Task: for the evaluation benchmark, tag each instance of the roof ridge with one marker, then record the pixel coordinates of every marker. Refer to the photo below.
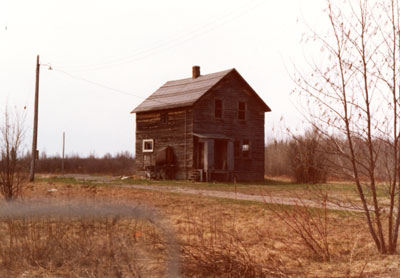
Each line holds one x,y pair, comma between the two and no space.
196,80
190,82
192,91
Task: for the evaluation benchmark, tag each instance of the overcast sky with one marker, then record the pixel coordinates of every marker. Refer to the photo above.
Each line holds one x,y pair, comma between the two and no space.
108,56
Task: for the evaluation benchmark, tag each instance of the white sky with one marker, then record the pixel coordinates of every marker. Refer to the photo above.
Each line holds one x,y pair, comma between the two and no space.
131,48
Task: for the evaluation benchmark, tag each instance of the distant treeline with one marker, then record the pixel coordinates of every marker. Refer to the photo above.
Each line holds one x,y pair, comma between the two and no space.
119,164
309,158
299,158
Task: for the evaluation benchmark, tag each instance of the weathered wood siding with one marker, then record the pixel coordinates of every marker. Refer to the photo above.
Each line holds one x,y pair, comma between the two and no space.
176,132
231,90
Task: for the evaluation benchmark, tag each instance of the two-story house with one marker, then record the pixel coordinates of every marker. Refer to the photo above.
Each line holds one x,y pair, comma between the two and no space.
209,125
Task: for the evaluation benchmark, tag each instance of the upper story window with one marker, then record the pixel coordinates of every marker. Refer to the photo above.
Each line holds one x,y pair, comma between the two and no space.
148,145
242,110
164,117
218,109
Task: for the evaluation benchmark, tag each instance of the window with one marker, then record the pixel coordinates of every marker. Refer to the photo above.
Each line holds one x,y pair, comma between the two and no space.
242,110
148,145
245,148
164,117
218,108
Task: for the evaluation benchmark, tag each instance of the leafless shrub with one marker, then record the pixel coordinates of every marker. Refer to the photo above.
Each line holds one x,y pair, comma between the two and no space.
307,159
211,249
300,157
310,225
12,170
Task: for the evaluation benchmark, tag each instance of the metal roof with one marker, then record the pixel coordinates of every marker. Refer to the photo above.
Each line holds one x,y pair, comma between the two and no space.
181,93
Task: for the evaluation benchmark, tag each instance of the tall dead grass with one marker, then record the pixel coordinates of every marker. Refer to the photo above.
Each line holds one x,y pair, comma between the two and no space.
81,246
217,238
213,247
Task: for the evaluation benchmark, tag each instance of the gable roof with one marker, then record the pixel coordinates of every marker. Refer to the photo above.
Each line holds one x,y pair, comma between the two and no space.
185,92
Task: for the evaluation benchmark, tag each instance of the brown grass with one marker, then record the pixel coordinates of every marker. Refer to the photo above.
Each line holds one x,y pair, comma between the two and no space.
218,238
80,247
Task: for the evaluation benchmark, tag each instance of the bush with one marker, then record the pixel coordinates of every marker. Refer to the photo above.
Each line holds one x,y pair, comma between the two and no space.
12,170
301,158
307,159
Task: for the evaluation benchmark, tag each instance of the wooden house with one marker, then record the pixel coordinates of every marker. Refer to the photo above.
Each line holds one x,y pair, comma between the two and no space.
209,127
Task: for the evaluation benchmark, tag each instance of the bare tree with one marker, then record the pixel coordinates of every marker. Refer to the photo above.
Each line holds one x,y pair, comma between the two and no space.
12,172
352,96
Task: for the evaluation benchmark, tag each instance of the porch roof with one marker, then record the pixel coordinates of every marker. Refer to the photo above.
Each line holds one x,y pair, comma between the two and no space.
212,136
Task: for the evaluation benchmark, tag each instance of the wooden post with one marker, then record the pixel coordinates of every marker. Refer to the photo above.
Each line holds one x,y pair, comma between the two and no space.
186,175
63,151
35,123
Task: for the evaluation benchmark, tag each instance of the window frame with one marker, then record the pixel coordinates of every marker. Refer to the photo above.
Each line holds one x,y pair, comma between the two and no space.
164,117
220,110
245,152
242,111
144,145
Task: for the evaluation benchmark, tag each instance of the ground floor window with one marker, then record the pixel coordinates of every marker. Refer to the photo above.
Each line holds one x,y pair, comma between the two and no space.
148,145
245,148
241,149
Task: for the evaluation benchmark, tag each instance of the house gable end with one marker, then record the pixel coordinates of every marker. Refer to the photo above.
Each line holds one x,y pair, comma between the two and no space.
235,74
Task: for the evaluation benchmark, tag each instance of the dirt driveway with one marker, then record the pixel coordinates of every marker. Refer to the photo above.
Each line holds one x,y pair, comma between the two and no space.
247,197
291,201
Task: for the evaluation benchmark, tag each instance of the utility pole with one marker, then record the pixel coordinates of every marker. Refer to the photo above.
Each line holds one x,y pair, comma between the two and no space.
62,161
35,123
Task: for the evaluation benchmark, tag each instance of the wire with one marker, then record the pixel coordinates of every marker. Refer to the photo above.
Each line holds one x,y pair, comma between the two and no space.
96,83
173,38
118,90
104,86
170,43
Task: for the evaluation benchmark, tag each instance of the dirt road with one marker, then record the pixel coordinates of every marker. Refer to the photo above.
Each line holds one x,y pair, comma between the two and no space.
247,197
291,201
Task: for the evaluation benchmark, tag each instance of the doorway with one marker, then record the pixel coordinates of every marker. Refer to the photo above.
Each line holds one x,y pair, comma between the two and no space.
220,154
200,156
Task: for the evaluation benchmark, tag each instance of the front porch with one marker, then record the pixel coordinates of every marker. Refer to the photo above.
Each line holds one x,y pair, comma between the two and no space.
213,157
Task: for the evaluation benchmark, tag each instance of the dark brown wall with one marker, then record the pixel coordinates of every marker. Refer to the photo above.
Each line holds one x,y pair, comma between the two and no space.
232,90
173,133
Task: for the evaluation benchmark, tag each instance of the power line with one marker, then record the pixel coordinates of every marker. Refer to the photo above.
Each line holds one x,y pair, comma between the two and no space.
104,86
116,90
96,83
170,43
147,52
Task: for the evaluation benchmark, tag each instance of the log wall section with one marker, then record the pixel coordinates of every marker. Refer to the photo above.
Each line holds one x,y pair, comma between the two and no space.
176,132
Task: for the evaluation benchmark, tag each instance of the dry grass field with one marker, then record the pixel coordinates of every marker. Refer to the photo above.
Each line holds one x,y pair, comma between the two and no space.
217,237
